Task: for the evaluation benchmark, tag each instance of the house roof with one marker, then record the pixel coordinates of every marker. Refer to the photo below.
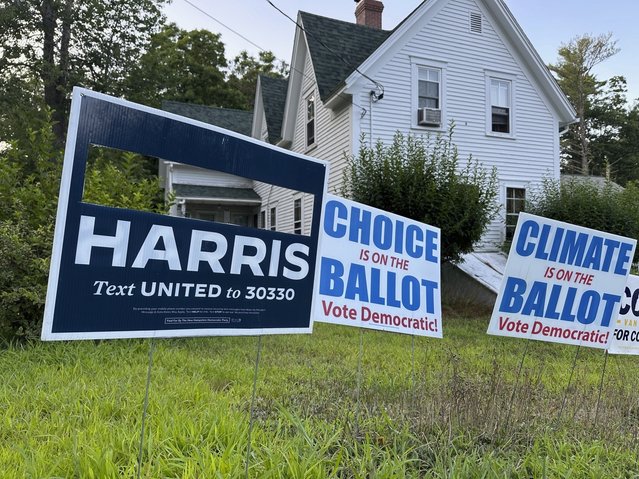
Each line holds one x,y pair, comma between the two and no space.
274,99
599,182
337,48
215,192
239,121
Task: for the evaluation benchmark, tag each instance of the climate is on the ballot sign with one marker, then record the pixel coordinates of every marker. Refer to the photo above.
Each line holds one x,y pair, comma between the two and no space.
563,283
118,273
378,270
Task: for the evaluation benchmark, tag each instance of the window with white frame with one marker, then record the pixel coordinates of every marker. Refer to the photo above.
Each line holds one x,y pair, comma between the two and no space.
273,225
297,216
429,96
310,120
515,203
500,106
263,219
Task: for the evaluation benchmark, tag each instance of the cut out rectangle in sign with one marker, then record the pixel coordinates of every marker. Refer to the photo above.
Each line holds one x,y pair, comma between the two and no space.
378,270
563,283
119,273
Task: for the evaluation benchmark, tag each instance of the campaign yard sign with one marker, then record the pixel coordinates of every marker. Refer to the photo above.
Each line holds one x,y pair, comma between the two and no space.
625,339
118,273
563,283
378,270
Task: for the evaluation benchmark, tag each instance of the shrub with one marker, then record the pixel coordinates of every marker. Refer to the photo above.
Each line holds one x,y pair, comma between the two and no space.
423,180
29,184
581,202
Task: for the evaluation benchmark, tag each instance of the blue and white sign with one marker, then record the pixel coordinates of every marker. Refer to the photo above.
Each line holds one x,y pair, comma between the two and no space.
378,270
563,283
625,337
117,273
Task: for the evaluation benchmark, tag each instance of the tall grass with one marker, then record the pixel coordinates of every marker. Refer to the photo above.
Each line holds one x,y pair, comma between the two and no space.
73,410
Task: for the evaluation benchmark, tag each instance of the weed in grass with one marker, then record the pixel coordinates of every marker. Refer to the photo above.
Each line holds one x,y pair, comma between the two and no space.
73,409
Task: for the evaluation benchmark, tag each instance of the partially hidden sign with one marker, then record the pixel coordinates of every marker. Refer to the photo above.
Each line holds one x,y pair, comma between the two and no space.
118,273
563,283
378,270
625,338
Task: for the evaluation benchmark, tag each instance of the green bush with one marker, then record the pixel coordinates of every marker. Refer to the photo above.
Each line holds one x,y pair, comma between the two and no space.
424,180
29,184
582,202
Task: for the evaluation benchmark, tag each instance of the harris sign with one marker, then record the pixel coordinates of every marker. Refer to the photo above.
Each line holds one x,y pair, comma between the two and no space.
118,273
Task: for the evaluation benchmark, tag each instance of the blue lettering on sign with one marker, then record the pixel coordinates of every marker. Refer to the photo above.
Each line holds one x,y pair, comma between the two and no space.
382,231
372,285
335,210
414,238
331,283
356,286
569,247
360,226
583,306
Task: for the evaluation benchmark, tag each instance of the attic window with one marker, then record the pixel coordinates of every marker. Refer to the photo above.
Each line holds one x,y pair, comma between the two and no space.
475,22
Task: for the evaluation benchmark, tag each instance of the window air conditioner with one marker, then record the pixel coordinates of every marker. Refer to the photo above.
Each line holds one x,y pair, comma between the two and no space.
429,116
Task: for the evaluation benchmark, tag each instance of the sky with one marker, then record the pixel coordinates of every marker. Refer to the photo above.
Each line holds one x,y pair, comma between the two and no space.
547,23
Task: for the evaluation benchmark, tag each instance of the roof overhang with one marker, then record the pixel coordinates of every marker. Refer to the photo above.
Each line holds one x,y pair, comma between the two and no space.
219,201
295,82
258,111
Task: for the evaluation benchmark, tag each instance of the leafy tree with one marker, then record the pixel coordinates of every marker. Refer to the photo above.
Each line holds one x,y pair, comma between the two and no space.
574,72
56,44
626,165
186,66
424,180
585,203
245,69
608,116
29,183
122,182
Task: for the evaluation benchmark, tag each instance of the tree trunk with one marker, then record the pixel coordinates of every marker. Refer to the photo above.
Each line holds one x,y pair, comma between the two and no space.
55,75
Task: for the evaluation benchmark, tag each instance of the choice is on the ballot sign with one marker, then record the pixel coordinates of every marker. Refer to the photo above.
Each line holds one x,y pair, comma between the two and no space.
625,337
563,283
118,273
378,270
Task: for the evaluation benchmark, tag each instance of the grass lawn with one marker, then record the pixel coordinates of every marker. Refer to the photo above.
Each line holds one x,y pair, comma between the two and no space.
73,410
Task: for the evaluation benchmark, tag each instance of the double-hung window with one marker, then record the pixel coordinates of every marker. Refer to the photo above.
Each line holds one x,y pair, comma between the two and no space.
500,105
515,203
428,93
429,88
429,96
273,222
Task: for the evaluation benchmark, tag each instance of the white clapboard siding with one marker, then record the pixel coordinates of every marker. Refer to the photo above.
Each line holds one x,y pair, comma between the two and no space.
192,175
521,161
332,142
468,59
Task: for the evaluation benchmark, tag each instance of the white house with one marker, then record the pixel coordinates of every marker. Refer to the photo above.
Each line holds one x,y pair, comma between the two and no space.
211,195
466,61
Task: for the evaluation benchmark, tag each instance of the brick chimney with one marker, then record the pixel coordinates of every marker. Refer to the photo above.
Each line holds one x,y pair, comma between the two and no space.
369,13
